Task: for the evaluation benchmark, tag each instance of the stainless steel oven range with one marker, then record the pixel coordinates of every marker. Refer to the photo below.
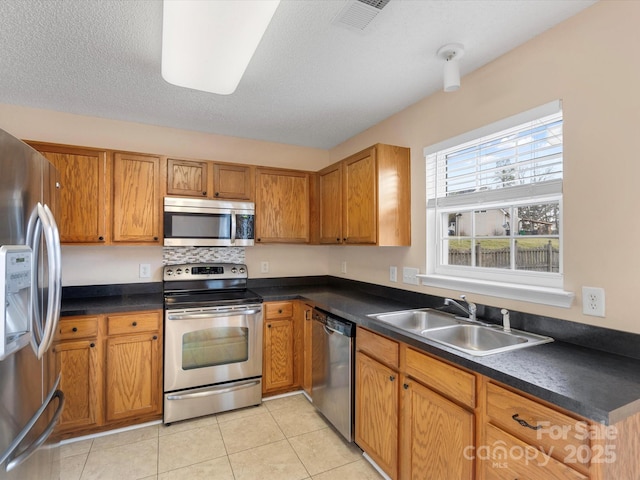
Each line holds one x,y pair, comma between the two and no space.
213,340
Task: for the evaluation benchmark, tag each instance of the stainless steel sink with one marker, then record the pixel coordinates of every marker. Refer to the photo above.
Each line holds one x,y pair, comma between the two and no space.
479,340
418,320
459,333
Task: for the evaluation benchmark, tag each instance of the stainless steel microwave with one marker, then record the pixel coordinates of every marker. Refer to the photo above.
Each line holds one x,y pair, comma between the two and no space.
195,222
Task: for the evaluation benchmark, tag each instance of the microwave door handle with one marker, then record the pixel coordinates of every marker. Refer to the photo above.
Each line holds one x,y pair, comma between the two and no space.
233,227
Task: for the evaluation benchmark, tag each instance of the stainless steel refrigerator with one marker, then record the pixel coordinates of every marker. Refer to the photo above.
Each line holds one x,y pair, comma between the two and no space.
30,292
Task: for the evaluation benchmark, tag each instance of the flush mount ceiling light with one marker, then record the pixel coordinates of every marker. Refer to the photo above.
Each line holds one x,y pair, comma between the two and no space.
207,44
451,54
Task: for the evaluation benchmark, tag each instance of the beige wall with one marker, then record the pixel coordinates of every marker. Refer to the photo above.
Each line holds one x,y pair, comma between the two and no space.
588,61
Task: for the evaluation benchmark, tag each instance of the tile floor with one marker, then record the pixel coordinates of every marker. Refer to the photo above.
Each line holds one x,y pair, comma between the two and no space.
282,439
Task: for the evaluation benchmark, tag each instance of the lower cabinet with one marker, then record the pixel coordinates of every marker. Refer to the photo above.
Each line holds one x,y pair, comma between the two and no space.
111,370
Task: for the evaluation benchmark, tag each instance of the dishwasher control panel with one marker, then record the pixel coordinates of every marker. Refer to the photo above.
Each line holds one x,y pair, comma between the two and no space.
336,324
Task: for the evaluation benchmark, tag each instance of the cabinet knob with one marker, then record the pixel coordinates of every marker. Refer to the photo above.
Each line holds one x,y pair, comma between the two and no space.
92,345
392,377
155,239
259,239
155,337
405,386
269,326
217,194
337,240
101,238
204,194
344,239
280,310
74,329
135,324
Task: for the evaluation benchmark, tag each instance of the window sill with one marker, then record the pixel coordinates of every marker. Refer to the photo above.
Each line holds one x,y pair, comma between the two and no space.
547,296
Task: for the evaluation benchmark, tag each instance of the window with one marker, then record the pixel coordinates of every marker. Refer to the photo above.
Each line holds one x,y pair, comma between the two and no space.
494,205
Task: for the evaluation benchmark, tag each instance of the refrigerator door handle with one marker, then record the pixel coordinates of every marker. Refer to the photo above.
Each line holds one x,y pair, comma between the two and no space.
14,462
44,222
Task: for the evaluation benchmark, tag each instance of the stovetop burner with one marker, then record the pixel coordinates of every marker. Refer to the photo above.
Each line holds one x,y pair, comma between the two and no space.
207,284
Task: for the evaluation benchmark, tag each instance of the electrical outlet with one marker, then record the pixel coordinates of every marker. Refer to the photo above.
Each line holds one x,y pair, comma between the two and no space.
144,270
410,276
593,301
343,267
264,267
393,274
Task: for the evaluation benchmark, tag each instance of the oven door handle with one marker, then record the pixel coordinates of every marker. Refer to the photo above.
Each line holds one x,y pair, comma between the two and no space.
216,314
215,390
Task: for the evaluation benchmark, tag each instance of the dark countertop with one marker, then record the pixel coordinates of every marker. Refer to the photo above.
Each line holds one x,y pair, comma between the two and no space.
588,380
597,385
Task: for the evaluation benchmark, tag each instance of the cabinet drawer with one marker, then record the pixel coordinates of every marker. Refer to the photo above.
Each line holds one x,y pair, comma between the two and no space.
548,429
133,323
377,346
446,379
278,310
507,458
77,327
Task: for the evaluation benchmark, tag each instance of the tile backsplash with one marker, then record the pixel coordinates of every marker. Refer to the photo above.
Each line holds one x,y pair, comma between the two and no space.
180,255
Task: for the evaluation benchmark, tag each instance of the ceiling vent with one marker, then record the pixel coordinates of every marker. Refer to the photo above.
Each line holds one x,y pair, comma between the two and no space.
358,14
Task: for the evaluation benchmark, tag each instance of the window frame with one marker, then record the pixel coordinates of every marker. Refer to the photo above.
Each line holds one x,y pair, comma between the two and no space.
537,287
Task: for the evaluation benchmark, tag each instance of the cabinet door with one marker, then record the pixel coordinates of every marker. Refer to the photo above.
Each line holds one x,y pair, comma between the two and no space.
376,415
438,435
81,380
187,177
278,354
133,376
232,181
80,211
282,206
136,202
330,187
360,196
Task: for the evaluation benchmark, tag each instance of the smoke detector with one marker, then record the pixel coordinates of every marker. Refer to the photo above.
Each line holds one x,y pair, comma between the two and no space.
358,14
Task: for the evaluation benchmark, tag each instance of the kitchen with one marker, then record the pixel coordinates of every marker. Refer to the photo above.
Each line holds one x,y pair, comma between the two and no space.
574,61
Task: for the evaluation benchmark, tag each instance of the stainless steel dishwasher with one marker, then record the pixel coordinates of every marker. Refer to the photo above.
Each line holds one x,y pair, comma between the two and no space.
332,371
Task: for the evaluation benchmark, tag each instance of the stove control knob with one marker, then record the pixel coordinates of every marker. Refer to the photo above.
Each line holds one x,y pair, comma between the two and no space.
242,270
178,271
169,272
234,270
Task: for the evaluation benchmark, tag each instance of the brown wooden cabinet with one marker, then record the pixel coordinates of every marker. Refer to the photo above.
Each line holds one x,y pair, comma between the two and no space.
278,347
111,370
136,199
307,327
84,178
282,206
370,193
207,179
78,355
133,363
377,399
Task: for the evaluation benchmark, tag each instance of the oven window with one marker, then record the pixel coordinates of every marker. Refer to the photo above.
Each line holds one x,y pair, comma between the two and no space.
215,346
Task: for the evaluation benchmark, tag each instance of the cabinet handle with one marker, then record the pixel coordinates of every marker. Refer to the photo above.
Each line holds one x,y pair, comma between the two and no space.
155,337
204,194
344,239
135,324
405,386
92,345
259,239
217,194
338,240
280,311
392,377
74,329
101,238
155,239
269,326
524,423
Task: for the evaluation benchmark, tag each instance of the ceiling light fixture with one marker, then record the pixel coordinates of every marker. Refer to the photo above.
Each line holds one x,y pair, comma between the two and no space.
207,45
451,53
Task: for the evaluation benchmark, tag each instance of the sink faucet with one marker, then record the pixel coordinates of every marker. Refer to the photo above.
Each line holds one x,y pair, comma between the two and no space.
470,309
506,323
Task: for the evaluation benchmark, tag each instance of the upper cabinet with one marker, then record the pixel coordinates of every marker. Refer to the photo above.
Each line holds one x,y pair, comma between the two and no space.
136,199
84,180
366,198
282,206
209,180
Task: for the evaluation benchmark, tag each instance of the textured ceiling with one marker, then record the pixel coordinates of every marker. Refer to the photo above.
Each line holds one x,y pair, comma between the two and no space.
311,82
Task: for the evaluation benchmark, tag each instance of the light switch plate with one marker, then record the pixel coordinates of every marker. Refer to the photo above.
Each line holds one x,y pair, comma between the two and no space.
393,274
145,270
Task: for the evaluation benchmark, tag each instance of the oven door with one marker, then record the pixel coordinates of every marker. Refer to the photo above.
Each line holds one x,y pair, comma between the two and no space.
206,346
